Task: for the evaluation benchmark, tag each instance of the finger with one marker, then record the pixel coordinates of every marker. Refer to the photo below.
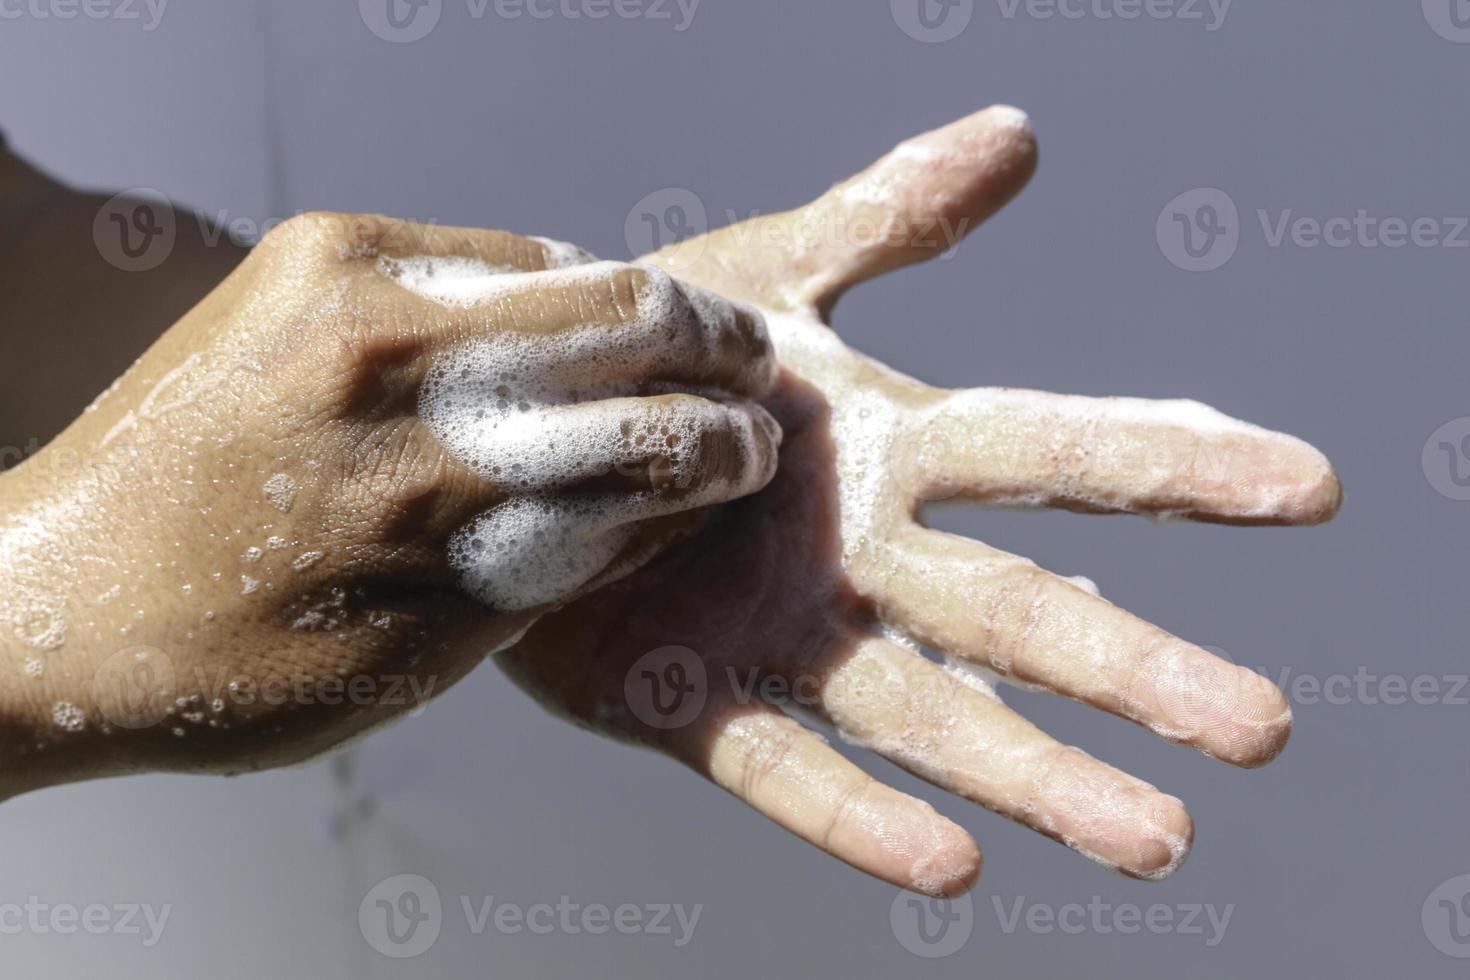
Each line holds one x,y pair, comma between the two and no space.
915,203
961,737
1163,458
464,252
927,194
587,326
677,445
537,549
795,778
1036,629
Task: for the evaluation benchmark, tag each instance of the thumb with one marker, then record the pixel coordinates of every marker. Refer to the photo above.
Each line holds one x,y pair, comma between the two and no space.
915,203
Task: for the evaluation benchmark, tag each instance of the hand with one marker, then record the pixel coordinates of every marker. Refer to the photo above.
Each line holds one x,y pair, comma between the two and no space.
253,545
817,591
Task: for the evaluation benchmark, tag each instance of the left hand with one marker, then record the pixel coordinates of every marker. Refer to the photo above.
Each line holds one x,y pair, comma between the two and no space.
818,589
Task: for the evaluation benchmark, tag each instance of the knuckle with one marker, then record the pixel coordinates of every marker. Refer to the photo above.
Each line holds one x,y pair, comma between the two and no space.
715,458
1019,612
765,761
642,294
340,234
307,228
750,325
507,249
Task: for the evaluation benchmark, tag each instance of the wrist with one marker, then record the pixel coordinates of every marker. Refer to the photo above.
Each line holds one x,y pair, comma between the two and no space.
49,729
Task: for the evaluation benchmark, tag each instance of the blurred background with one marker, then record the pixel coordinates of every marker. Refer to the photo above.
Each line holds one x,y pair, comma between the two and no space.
1160,251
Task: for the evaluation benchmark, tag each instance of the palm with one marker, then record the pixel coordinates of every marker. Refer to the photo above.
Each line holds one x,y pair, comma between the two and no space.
818,589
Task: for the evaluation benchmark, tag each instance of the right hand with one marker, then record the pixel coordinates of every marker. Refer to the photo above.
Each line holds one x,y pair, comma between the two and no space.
818,591
299,480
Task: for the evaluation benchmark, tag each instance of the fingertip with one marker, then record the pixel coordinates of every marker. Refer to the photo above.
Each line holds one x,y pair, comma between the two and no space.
1320,497
952,867
905,842
991,155
1007,116
1261,742
1224,710
1293,485
919,200
765,441
1166,845
1255,733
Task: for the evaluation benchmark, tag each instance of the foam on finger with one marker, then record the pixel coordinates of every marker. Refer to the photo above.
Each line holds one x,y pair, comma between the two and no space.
535,412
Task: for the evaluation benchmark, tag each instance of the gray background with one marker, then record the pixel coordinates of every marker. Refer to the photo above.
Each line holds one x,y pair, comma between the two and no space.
558,127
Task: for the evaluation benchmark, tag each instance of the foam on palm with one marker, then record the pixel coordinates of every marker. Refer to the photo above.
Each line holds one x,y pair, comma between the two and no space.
883,454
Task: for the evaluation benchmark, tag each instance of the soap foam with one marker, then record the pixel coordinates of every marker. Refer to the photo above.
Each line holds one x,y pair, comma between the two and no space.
535,413
561,255
281,491
68,717
40,622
